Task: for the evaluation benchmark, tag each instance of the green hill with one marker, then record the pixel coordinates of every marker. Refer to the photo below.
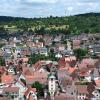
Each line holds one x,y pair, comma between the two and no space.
82,23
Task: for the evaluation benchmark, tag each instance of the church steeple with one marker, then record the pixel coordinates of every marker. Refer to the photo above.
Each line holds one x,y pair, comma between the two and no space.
52,85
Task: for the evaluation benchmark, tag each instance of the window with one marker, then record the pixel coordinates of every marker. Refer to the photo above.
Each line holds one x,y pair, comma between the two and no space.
51,79
97,95
72,93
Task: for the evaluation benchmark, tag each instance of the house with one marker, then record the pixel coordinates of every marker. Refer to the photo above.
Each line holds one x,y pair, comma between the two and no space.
7,55
7,48
25,52
23,60
30,94
22,87
18,50
35,43
96,92
30,43
81,92
41,77
37,37
12,91
67,61
76,44
88,63
61,47
1,53
57,38
62,63
34,50
65,82
4,98
63,96
39,44
11,70
31,76
7,79
69,46
43,51
58,55
95,74
67,53
2,70
39,64
96,49
85,74
48,40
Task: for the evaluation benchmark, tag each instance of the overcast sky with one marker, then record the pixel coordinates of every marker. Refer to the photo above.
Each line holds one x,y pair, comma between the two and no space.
44,8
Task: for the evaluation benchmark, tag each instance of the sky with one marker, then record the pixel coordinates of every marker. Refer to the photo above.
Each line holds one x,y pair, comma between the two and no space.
45,8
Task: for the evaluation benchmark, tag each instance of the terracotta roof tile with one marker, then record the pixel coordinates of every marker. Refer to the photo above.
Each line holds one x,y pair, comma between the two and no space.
25,59
11,89
28,91
97,82
82,89
4,98
38,76
7,79
63,96
39,64
71,70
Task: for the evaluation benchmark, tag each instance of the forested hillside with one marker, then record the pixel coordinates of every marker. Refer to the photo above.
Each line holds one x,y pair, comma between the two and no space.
83,23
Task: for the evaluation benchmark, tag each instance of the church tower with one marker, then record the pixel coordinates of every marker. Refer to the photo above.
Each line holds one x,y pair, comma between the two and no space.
52,85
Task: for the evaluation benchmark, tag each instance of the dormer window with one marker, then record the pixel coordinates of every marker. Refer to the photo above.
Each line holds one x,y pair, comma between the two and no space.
51,79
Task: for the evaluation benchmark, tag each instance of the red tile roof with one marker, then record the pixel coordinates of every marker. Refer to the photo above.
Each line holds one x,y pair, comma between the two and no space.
97,82
7,79
25,59
76,42
63,96
38,76
4,98
82,89
71,70
27,71
62,63
39,64
66,61
11,89
28,91
87,63
2,69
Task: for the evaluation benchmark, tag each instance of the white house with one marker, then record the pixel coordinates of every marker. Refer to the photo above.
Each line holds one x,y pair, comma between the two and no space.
81,92
58,55
11,70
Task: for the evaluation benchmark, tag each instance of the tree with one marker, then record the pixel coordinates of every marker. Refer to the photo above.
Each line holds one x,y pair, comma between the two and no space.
1,45
36,57
41,40
80,53
52,56
2,62
39,88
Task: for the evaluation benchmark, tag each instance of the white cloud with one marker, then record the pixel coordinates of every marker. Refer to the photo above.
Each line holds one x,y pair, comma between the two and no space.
39,1
34,8
70,8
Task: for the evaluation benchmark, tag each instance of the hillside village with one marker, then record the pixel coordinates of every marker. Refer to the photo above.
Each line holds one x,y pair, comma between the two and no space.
50,67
